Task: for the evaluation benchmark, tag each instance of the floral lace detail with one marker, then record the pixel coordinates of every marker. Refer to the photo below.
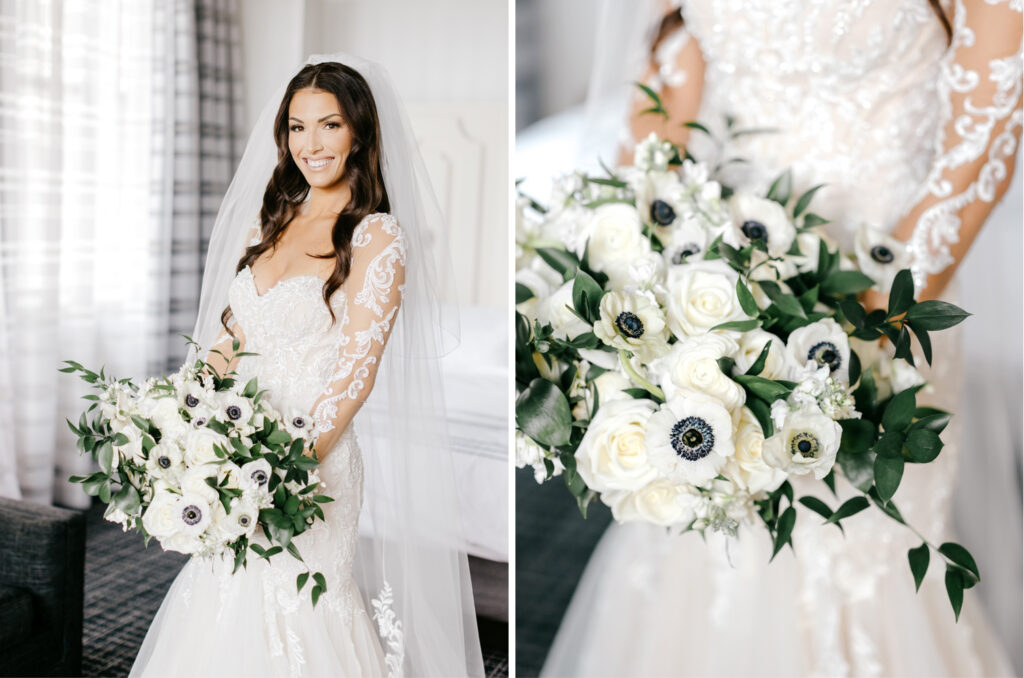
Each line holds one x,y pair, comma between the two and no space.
390,629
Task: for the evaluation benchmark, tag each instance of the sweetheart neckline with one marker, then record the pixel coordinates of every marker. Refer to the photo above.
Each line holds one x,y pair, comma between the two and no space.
256,290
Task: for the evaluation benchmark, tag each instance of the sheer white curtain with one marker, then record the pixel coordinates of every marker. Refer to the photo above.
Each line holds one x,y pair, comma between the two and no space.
100,154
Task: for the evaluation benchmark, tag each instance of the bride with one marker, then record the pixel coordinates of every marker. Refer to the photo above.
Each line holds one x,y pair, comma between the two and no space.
910,113
318,261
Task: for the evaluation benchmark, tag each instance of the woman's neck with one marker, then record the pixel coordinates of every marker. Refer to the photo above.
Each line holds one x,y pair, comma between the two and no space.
327,201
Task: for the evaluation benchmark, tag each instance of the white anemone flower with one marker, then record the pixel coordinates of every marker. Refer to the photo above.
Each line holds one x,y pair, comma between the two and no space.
821,343
241,520
254,476
195,514
165,461
806,443
234,408
632,322
687,240
298,425
689,438
761,219
880,256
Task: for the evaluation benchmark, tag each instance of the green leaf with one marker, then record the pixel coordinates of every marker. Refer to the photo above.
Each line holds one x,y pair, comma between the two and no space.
565,262
739,325
817,505
888,473
783,530
523,293
316,594
935,422
901,295
811,220
763,388
923,339
279,437
320,581
858,435
144,425
805,200
301,580
854,312
900,411
782,188
845,282
959,555
955,589
291,506
763,413
105,457
923,445
918,558
903,346
251,389
127,499
786,302
758,365
323,499
543,413
746,298
281,535
586,296
849,507
935,315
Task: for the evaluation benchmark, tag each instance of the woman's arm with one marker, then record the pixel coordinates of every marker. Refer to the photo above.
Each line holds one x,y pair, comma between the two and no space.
373,294
975,153
675,72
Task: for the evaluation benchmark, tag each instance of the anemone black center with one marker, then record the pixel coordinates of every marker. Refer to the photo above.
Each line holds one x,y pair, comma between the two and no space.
191,514
805,444
662,213
299,422
882,254
259,477
826,353
234,412
692,438
755,230
244,521
164,462
630,324
191,400
687,250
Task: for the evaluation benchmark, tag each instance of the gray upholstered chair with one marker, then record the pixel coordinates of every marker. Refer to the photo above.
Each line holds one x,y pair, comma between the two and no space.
42,574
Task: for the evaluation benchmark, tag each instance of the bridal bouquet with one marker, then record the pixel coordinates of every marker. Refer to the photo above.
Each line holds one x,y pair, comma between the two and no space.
684,352
201,463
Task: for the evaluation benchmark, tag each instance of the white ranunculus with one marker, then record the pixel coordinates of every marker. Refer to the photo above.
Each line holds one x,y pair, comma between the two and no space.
821,343
162,516
776,365
193,482
756,218
693,364
632,322
659,502
646,272
555,310
701,295
165,461
164,414
747,467
242,520
806,443
616,241
880,256
689,438
199,444
529,453
612,455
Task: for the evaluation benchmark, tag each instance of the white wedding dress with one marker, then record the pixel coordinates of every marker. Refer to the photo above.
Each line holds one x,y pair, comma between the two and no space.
854,92
254,622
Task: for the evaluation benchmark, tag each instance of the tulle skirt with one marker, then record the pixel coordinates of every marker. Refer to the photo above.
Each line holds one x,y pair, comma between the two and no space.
212,623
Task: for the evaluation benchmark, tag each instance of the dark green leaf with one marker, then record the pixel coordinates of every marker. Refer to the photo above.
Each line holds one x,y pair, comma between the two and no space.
849,507
845,282
888,473
805,200
758,365
763,388
935,422
291,506
811,220
783,530
935,315
858,435
959,555
105,457
251,388
279,437
901,295
923,339
523,293
746,298
739,325
763,413
782,188
817,505
900,411
566,263
919,563
903,345
923,445
543,413
955,589
586,296
301,580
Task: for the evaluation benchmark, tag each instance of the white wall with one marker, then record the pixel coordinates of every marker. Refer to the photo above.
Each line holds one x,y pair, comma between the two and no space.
449,61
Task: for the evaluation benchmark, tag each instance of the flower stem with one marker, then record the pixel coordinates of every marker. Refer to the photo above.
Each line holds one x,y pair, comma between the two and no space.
635,376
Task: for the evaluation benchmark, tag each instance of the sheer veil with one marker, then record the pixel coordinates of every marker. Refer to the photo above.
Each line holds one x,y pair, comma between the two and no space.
411,564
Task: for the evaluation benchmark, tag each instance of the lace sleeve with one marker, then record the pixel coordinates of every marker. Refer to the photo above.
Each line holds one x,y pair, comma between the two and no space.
373,293
980,95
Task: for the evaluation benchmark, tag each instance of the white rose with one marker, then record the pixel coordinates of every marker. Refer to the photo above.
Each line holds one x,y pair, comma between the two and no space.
133,448
193,482
880,256
646,272
700,296
689,438
616,240
632,322
693,364
821,343
555,310
747,467
756,218
808,442
162,516
612,454
776,364
659,502
182,542
199,444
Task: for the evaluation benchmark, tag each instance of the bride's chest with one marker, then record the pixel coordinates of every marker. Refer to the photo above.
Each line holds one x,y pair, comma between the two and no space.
292,312
820,39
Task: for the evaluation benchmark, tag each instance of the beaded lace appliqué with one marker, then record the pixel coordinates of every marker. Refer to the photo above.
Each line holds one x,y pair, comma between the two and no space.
390,629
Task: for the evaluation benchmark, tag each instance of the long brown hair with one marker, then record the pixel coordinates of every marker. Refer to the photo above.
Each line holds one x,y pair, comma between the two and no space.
287,188
674,19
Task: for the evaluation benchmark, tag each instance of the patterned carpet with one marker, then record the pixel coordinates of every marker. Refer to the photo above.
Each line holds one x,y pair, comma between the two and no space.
553,544
125,583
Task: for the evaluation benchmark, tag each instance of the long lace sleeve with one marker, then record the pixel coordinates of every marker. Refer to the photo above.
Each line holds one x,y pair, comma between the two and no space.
675,72
373,293
980,92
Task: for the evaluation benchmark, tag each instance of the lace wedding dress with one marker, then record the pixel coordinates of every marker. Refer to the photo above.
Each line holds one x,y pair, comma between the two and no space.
857,94
254,622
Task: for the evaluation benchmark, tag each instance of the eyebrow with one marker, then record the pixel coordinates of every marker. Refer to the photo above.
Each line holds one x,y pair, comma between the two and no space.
320,120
